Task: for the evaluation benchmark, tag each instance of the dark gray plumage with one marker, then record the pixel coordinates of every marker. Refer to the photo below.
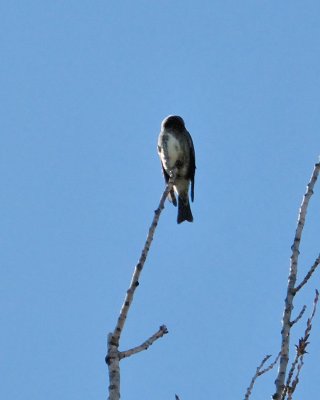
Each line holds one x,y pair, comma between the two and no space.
175,148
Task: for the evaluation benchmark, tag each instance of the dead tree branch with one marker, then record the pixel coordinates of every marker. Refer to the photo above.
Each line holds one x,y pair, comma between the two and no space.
114,355
300,352
299,316
146,344
309,274
260,372
291,290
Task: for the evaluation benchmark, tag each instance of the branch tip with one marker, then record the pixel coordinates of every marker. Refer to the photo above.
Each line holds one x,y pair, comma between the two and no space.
292,289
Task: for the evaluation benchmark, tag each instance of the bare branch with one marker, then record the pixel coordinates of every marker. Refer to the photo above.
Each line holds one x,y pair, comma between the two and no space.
300,352
146,344
137,271
113,355
287,388
299,316
286,326
270,366
315,302
112,359
292,388
260,372
308,276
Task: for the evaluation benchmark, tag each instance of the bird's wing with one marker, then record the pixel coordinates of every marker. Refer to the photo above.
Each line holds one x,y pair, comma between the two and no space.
192,164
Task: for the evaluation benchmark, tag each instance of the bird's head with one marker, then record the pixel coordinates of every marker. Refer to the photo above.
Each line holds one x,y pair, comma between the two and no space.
173,122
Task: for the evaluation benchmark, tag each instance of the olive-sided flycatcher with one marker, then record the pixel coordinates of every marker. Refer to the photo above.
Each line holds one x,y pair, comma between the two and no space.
175,148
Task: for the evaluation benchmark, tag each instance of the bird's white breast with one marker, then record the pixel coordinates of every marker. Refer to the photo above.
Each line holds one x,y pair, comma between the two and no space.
171,152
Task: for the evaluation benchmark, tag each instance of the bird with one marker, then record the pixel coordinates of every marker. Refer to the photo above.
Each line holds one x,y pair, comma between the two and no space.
176,151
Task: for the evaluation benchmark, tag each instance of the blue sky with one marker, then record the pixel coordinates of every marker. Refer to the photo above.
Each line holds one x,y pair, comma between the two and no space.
84,88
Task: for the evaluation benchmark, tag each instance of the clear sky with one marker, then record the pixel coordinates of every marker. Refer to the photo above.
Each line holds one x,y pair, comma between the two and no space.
84,88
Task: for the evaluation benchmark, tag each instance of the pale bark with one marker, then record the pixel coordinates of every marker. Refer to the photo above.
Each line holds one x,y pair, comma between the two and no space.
114,355
291,290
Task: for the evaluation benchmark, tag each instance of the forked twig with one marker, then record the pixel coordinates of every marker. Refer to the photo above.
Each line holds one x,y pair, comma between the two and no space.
260,372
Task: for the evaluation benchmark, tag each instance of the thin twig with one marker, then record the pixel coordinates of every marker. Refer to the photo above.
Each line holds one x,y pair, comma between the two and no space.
300,352
308,276
286,326
299,316
292,388
270,366
146,344
287,388
260,372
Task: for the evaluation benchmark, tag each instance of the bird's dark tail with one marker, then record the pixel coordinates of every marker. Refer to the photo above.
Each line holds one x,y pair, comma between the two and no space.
184,210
